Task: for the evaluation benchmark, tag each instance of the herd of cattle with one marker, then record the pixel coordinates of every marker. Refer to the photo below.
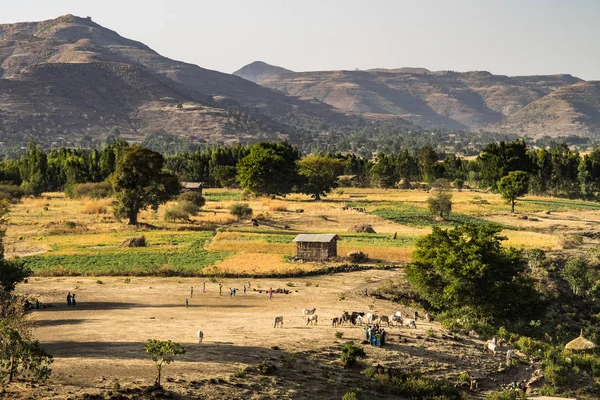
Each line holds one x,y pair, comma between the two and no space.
357,318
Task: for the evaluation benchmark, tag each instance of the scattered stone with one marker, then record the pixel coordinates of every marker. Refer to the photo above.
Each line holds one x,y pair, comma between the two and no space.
362,228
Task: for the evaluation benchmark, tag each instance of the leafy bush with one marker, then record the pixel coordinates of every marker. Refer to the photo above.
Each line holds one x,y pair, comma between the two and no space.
290,359
92,190
71,224
507,395
265,368
240,373
188,207
193,197
174,213
350,353
10,192
240,210
354,394
339,334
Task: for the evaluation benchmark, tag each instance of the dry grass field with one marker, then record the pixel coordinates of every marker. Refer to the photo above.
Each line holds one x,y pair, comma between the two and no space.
60,236
73,246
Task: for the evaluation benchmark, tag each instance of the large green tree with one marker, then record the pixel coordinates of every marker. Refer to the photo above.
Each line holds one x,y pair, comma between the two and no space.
467,267
319,174
269,169
139,182
512,186
498,159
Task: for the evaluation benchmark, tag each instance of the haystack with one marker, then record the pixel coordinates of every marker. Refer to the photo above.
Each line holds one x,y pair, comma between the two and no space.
580,344
404,184
139,241
362,228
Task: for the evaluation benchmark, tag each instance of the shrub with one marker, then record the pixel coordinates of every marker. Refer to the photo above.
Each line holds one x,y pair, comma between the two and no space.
290,359
99,282
174,213
91,190
354,394
71,224
507,395
265,368
193,197
10,192
357,256
240,210
350,353
189,207
240,373
339,334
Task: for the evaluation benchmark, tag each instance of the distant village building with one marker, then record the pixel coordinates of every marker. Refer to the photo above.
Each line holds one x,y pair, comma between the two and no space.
316,247
191,187
347,180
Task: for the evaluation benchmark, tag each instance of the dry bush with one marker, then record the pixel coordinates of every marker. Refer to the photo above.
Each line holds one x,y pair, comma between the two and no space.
96,206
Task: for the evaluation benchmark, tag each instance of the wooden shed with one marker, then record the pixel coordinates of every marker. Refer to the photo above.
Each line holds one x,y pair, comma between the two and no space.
317,247
191,187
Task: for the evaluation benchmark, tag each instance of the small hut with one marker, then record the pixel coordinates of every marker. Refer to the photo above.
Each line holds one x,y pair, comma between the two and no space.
317,247
580,344
191,187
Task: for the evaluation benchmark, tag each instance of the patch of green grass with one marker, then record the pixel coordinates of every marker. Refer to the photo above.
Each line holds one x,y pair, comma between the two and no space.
559,204
219,196
167,253
357,239
417,216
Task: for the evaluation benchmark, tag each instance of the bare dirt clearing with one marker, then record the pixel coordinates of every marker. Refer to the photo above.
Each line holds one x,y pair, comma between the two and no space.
100,341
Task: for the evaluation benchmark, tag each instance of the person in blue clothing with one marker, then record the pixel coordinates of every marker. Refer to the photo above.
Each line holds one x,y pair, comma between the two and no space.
69,299
186,303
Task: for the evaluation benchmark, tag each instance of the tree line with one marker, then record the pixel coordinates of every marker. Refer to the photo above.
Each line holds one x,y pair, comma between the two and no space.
278,168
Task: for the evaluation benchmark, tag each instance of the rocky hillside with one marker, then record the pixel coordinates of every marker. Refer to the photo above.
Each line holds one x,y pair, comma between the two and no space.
570,110
466,101
69,77
259,71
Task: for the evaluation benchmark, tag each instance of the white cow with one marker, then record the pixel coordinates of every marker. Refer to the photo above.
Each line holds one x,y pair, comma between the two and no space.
411,323
200,336
278,321
394,318
308,311
371,318
359,320
312,319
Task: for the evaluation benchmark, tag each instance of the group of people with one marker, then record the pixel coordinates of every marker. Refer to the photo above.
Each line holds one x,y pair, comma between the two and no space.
71,300
375,335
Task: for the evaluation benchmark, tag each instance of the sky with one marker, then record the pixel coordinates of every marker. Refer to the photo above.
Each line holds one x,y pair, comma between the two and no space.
508,37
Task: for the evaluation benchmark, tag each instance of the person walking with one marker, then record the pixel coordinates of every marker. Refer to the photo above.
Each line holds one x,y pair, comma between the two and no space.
204,287
270,293
73,302
69,299
244,289
186,303
220,288
234,291
192,291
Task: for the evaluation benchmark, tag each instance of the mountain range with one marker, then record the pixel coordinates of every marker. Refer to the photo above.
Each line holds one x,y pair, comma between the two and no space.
541,105
68,78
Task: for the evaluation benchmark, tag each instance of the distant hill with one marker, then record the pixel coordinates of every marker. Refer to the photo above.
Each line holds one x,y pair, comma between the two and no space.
569,110
70,77
259,71
446,99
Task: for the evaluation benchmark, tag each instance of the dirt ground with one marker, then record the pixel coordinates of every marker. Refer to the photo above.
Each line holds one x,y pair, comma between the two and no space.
100,341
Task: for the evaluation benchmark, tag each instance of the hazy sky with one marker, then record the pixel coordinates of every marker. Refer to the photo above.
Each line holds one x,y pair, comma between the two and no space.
511,37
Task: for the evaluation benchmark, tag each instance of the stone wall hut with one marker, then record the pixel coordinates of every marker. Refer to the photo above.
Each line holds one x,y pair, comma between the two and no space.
317,247
191,187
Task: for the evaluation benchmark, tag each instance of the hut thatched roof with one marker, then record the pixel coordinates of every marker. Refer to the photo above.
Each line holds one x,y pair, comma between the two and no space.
580,344
316,238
